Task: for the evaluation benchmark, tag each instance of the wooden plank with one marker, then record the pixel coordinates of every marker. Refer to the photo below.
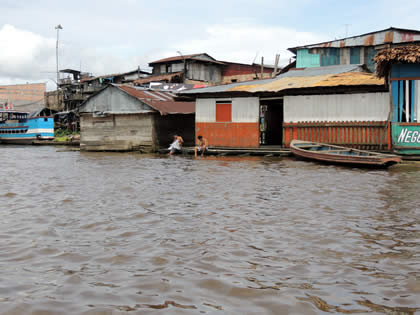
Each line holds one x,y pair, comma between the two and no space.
401,100
412,101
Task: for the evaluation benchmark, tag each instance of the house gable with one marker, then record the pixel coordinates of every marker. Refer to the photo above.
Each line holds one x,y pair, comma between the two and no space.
114,100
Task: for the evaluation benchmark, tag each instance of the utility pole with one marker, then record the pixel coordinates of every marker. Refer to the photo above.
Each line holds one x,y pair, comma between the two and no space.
58,28
276,65
262,67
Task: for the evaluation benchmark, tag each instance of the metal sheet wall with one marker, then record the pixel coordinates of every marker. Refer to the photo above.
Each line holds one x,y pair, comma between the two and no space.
337,107
371,135
205,110
113,99
244,109
304,59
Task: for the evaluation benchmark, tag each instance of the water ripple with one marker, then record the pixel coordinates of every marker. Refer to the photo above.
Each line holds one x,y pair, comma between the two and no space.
101,233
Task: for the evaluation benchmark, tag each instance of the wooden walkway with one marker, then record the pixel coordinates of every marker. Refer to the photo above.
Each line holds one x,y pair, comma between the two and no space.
222,151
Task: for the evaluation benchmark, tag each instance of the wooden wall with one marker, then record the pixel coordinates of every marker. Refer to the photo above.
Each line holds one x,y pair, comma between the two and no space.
117,132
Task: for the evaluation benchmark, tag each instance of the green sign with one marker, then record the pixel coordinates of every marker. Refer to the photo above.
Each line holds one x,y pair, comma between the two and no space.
406,138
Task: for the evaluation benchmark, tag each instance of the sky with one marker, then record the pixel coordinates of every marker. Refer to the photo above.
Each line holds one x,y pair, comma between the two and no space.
102,37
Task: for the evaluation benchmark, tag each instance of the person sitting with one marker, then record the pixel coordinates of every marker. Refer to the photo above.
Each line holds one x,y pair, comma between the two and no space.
176,145
201,147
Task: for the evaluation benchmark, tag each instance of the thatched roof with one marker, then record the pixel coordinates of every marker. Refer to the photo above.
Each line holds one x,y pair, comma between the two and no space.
388,56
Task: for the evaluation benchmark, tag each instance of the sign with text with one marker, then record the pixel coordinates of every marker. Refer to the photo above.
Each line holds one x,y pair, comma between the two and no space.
406,136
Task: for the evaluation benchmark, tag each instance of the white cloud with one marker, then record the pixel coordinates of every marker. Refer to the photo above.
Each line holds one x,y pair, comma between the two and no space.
24,55
242,42
29,57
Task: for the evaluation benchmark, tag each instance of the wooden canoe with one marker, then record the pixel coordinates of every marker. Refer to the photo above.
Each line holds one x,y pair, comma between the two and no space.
328,153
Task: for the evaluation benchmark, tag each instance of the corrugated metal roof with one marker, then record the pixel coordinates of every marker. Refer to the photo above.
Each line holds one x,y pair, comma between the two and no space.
309,72
350,79
295,79
157,78
187,57
165,105
175,58
113,75
224,88
390,35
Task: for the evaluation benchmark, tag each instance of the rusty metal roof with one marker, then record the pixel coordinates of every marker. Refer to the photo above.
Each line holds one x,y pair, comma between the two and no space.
392,35
161,101
331,76
176,58
186,57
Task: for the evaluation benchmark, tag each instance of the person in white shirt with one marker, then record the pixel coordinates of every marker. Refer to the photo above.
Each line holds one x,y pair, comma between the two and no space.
176,145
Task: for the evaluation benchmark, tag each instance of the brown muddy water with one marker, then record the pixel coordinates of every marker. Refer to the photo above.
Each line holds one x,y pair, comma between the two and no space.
86,233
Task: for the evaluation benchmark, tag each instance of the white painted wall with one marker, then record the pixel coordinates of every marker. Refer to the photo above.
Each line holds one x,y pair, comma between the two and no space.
337,107
245,109
417,100
205,110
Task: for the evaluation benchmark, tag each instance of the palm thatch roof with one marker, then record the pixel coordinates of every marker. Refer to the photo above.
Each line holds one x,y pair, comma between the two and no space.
402,54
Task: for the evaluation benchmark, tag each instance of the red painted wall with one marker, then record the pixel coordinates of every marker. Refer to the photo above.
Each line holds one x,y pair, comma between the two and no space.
237,69
364,134
228,134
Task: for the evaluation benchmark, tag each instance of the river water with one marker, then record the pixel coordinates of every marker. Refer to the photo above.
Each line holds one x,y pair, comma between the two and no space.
102,233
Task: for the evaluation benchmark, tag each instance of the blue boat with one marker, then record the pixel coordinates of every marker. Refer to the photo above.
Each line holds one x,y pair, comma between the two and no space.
19,128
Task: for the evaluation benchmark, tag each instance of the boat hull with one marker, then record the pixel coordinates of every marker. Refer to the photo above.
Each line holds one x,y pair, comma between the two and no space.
342,155
27,131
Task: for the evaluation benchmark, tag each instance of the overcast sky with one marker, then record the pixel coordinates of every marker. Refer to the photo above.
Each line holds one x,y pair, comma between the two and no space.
116,36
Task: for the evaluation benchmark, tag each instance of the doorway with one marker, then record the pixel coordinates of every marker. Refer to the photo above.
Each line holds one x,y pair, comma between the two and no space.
271,122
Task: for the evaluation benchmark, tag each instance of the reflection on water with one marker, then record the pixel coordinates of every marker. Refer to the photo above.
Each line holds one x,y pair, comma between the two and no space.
97,233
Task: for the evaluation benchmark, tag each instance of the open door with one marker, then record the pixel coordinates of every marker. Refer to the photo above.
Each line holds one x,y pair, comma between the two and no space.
271,122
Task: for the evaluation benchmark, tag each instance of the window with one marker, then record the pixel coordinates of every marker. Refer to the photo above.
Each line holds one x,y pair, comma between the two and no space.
223,111
404,101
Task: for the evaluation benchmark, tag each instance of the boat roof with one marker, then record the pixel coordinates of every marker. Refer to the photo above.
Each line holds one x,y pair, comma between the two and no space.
12,111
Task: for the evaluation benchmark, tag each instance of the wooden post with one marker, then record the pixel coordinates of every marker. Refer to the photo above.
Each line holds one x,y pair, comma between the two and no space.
262,67
276,64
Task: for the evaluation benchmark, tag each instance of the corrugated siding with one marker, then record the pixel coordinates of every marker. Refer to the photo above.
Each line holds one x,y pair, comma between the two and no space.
306,60
355,55
330,57
205,110
235,135
204,72
368,135
113,99
371,52
245,109
337,107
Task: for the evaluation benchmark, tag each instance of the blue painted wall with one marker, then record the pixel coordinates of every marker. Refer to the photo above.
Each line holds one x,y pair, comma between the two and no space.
330,57
355,55
405,70
306,60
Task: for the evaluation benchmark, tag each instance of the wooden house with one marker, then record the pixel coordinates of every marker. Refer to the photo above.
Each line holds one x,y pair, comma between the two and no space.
401,67
331,96
202,69
125,118
359,49
342,104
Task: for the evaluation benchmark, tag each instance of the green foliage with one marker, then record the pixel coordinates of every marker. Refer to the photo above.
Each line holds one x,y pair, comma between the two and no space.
64,135
59,133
